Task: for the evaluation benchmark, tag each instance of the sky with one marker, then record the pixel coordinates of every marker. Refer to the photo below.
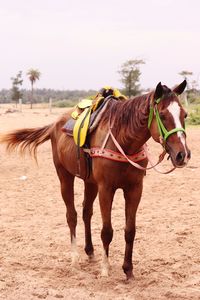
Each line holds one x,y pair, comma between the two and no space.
81,44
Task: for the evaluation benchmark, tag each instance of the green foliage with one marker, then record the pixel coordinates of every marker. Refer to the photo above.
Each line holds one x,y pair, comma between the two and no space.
185,74
43,95
17,81
193,96
194,116
64,103
33,75
130,76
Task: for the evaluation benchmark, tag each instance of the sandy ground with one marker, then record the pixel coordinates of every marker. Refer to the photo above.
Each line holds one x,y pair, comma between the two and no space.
34,238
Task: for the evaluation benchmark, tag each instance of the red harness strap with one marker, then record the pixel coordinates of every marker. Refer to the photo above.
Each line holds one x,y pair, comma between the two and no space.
122,157
116,156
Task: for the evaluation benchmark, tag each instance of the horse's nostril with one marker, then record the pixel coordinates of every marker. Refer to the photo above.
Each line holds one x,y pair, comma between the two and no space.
180,157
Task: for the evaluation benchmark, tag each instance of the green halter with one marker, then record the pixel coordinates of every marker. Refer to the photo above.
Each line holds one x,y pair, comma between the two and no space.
164,133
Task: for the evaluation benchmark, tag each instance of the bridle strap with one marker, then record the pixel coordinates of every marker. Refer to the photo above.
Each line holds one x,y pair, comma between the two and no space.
151,114
164,133
173,131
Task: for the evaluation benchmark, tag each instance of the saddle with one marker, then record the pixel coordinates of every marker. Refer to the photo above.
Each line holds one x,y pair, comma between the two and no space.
87,114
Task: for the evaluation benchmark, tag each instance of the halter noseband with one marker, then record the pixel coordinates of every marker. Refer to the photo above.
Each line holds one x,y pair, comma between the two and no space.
164,133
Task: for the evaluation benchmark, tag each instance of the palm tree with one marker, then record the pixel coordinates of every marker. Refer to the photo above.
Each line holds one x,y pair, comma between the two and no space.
33,75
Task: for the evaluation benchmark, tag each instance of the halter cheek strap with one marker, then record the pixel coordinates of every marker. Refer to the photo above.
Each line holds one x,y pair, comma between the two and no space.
164,133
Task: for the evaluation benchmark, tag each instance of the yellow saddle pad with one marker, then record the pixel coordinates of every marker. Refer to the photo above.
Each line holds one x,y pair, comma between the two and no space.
83,119
83,112
84,103
80,107
81,127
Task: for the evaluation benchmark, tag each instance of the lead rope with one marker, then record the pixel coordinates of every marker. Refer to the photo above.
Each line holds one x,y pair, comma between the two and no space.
161,156
153,166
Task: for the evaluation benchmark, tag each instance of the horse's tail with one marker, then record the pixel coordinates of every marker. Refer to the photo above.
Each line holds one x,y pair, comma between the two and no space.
27,138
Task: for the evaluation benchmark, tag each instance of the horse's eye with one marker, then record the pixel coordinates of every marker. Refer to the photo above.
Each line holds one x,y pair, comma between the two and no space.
186,114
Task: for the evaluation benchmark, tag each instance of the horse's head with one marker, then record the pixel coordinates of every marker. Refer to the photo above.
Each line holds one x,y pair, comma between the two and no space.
167,122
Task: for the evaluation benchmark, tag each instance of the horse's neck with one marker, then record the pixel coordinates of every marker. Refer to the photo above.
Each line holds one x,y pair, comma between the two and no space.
136,133
132,144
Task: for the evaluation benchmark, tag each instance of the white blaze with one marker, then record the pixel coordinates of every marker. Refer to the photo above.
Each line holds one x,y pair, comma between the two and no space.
175,111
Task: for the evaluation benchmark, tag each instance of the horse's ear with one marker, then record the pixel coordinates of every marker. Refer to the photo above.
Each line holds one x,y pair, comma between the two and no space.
158,91
180,88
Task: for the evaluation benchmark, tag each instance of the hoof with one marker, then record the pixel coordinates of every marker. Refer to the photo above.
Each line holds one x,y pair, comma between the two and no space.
75,260
128,270
89,251
129,275
91,257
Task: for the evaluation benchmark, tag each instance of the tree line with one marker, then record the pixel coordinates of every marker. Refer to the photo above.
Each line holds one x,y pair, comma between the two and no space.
16,92
129,76
43,95
129,73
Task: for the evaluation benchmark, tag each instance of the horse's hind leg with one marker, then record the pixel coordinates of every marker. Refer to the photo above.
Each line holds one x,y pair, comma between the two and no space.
89,197
67,191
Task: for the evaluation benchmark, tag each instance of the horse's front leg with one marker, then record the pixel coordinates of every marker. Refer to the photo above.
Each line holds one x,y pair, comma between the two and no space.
106,198
132,198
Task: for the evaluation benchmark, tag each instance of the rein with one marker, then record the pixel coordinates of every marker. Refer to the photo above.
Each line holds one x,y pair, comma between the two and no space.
164,134
145,148
142,154
111,155
161,156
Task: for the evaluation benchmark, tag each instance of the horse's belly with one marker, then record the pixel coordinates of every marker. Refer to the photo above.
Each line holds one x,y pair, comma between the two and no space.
74,159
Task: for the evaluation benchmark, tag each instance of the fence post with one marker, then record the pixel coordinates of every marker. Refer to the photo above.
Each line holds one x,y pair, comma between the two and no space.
50,105
20,105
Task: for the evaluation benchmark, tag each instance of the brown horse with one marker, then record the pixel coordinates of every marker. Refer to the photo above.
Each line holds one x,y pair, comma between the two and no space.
158,114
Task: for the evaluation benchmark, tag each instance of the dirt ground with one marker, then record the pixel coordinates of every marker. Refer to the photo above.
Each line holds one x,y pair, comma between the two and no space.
34,238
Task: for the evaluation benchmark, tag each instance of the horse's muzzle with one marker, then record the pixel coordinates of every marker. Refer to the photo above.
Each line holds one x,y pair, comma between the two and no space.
182,158
179,158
